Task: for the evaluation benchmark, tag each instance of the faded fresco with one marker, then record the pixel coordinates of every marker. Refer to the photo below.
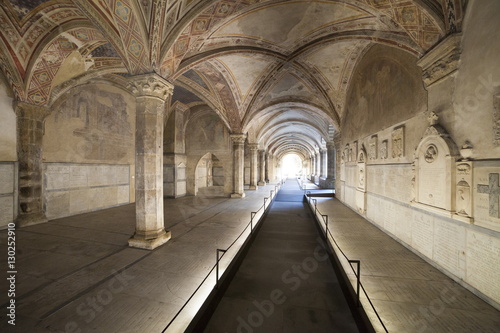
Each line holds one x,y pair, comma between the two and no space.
206,133
386,89
98,124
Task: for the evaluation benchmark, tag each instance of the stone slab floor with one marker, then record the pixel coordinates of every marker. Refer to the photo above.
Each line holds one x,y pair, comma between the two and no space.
286,283
77,274
409,294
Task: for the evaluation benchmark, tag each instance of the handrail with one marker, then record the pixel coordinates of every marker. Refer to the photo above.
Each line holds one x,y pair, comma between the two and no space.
357,272
218,258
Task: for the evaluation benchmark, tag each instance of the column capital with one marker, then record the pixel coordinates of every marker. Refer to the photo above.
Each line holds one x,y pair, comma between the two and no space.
31,111
330,145
253,146
238,138
150,85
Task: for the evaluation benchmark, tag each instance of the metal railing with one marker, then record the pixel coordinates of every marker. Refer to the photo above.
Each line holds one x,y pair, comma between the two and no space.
224,251
357,271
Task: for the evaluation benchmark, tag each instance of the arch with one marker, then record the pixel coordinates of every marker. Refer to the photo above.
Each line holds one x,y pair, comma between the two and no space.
209,177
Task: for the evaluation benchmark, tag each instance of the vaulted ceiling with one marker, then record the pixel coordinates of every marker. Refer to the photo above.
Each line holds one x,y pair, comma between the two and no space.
278,70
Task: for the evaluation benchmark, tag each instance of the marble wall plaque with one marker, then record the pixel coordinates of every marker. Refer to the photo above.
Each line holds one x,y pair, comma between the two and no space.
78,188
384,150
449,243
483,263
422,230
57,204
392,181
6,210
79,201
398,142
7,178
432,175
57,176
486,194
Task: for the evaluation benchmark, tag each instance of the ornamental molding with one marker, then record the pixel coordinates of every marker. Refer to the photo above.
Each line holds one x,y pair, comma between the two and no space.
442,60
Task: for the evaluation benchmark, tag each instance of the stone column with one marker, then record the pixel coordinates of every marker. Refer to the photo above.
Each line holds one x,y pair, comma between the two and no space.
29,153
150,91
313,167
267,168
262,180
254,161
322,167
318,165
331,169
238,165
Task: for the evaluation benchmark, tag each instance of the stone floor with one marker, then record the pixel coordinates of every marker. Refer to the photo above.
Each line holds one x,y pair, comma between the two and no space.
77,274
409,294
286,282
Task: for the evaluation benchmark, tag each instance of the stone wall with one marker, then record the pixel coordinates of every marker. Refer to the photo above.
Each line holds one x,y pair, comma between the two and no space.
391,185
72,188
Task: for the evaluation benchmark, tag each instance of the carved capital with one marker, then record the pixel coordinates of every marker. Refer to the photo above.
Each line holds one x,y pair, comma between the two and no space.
30,111
150,85
238,138
442,60
253,146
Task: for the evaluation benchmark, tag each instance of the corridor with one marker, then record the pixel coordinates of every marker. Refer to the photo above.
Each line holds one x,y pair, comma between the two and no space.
286,282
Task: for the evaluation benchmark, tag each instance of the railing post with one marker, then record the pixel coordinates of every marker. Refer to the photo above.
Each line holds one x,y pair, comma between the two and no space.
315,206
271,194
252,215
358,275
217,267
265,200
326,225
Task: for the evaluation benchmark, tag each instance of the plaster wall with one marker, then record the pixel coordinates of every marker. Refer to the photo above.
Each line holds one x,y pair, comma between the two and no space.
89,151
475,115
467,252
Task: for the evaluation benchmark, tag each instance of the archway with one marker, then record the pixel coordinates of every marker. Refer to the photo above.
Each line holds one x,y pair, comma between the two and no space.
291,166
209,177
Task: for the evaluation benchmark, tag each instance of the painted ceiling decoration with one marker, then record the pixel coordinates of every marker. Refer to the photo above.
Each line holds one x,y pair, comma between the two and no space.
266,67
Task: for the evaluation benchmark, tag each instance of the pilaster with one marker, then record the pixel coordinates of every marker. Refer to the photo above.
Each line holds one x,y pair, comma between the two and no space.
150,91
29,151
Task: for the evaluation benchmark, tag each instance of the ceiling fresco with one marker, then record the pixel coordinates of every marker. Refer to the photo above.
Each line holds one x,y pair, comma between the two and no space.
278,70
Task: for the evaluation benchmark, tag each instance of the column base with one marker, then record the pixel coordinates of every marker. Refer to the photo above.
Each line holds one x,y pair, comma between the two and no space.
237,195
146,242
253,187
261,183
24,220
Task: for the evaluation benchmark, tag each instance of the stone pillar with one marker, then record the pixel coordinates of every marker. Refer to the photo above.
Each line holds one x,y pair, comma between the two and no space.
322,167
238,165
254,161
262,180
331,169
29,153
313,167
150,91
267,168
317,172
